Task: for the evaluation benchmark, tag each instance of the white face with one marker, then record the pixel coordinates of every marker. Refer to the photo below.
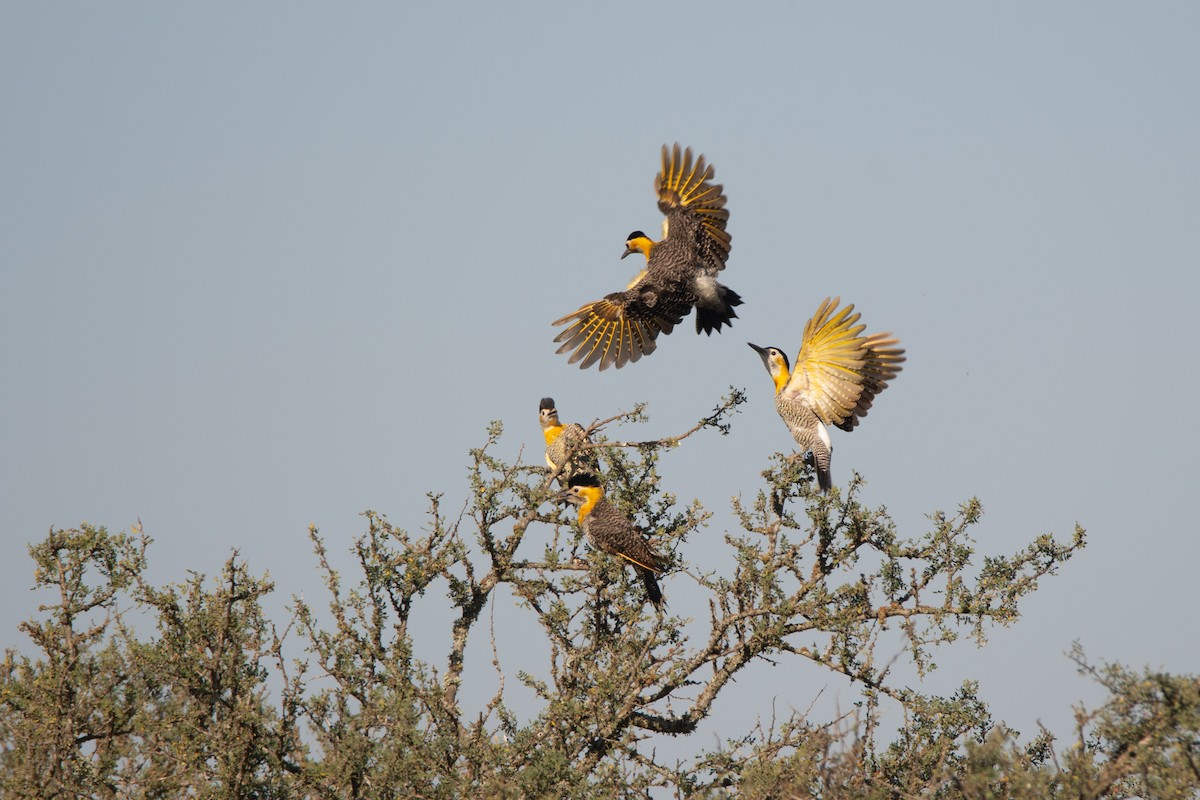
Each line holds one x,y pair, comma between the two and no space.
774,359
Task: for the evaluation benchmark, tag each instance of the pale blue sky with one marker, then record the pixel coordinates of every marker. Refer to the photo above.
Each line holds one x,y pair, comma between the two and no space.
271,265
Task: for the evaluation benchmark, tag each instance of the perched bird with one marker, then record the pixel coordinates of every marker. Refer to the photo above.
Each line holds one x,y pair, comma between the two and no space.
837,375
681,273
564,445
609,530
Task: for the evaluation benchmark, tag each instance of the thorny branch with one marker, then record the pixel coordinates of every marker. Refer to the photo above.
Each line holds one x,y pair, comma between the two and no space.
717,419
815,577
809,579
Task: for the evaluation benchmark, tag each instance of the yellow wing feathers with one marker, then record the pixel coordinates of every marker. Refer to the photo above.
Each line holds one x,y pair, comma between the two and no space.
882,363
683,186
603,333
679,273
839,371
835,379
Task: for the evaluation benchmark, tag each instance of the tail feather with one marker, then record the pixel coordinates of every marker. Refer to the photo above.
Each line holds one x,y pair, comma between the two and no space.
711,316
824,480
821,457
653,592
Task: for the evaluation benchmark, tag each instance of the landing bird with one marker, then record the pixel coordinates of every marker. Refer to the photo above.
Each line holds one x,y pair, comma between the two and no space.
680,274
837,375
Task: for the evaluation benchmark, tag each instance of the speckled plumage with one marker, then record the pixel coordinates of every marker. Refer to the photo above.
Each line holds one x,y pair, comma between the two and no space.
810,435
565,445
680,273
609,530
837,375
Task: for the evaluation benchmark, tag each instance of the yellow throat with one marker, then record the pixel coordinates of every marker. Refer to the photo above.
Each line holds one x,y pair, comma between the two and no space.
553,432
591,495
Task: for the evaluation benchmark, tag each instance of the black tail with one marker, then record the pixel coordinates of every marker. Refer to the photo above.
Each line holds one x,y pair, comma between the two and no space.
652,591
710,317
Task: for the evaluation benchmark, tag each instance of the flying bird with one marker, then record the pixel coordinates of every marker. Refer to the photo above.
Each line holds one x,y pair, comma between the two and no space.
837,375
680,273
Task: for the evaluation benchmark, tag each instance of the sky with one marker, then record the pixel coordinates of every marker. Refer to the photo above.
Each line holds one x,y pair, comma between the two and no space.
269,266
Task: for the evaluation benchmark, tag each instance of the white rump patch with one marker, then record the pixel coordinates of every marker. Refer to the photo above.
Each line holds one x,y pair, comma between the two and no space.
706,287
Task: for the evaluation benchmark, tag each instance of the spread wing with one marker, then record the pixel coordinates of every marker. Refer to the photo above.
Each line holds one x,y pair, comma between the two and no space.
617,330
694,209
881,364
623,326
829,373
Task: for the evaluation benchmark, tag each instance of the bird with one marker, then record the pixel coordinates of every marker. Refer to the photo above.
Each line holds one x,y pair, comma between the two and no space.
837,375
565,445
609,530
680,273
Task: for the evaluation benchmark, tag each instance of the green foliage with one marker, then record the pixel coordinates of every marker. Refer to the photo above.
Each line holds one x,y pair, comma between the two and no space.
105,714
65,715
189,690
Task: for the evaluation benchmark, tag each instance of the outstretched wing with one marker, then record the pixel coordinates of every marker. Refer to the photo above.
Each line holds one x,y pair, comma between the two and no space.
623,326
829,373
882,362
694,209
617,330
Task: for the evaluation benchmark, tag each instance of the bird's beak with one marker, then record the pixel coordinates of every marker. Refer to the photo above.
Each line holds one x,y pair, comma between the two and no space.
562,498
762,352
628,252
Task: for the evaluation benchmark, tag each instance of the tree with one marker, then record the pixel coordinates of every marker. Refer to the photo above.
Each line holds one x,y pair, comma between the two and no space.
212,703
